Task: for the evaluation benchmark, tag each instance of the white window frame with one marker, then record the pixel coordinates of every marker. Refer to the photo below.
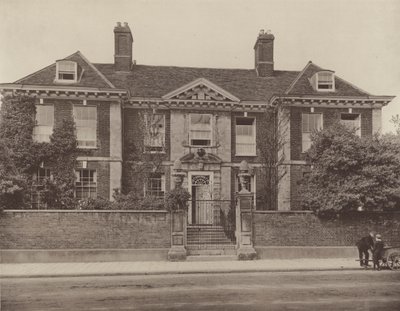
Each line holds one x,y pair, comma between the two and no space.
348,122
39,187
306,135
47,128
150,145
60,71
253,144
191,130
85,144
147,191
331,83
90,183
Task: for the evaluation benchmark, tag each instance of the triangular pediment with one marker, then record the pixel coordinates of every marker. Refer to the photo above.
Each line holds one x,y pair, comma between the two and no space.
201,89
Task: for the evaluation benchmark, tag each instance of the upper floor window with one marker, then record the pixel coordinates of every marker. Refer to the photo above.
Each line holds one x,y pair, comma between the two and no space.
67,71
310,122
44,121
200,129
85,118
324,81
85,184
155,185
245,136
154,138
352,121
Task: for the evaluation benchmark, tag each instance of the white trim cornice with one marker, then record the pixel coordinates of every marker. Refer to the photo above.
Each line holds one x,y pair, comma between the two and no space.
201,82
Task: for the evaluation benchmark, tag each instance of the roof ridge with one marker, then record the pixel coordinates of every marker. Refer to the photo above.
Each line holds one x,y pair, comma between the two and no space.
298,77
95,69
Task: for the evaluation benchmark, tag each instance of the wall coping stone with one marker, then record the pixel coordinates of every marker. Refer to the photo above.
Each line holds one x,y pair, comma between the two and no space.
84,211
311,212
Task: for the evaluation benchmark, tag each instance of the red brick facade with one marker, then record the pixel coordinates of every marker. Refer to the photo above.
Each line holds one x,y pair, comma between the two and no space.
306,229
84,230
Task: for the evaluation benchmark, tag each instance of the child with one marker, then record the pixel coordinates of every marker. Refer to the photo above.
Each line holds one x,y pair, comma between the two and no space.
377,251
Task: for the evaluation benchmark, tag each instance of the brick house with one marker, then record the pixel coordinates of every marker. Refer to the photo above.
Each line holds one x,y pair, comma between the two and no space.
210,119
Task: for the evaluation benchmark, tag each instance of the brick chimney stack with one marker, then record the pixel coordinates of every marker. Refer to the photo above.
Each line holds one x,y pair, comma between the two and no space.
123,47
264,54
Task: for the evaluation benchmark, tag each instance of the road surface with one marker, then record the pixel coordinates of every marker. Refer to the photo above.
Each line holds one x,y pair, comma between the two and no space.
341,290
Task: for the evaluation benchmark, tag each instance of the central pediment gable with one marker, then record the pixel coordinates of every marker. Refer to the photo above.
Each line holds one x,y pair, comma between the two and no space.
201,89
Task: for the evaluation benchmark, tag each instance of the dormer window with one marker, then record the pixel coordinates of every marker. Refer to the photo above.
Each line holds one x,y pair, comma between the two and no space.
324,81
67,71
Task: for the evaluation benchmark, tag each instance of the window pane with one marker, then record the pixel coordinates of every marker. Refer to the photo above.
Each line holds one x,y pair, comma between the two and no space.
155,130
306,141
86,125
45,115
66,66
85,185
200,119
311,122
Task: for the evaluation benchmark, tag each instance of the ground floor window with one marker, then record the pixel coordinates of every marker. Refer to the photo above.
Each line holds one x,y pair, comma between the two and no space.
155,185
85,184
39,187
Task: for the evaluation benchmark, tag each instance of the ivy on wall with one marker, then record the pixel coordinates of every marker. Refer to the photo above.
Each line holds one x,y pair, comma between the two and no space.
24,155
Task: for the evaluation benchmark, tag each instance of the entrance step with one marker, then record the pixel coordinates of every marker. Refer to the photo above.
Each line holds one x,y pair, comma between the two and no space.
211,258
211,250
206,235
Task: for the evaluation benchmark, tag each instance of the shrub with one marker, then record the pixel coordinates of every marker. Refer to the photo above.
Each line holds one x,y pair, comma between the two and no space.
176,199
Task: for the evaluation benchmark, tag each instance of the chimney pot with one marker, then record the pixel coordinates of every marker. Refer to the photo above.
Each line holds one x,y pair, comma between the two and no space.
123,41
264,53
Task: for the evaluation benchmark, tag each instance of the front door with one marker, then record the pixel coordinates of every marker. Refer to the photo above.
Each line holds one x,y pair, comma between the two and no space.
200,211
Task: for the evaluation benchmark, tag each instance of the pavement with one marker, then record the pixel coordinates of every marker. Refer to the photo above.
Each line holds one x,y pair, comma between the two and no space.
70,269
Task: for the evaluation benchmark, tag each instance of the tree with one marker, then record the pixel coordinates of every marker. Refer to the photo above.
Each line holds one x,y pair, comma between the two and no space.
396,122
271,142
349,172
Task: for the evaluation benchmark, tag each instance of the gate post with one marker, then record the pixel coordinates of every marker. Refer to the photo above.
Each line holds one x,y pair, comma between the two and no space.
177,252
244,217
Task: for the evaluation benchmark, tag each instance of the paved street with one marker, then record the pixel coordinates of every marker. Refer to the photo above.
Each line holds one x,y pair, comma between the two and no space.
333,290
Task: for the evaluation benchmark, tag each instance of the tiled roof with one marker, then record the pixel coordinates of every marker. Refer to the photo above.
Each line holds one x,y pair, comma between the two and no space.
90,76
302,85
156,81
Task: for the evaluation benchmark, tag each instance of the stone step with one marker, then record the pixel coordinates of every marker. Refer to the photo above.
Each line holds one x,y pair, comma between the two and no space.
210,242
211,246
211,258
211,252
201,229
207,236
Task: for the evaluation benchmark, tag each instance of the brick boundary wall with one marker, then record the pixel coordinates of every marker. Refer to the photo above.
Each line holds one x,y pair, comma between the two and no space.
304,228
72,229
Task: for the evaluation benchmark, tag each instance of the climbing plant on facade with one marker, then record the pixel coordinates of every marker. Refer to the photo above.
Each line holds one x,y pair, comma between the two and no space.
26,155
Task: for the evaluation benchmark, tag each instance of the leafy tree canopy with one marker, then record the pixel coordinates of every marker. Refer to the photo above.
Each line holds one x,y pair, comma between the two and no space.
349,172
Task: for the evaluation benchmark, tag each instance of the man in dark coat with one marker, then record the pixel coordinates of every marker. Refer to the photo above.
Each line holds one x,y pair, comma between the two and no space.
377,251
364,244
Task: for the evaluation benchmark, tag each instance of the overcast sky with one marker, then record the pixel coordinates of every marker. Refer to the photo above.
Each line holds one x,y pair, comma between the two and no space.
358,39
